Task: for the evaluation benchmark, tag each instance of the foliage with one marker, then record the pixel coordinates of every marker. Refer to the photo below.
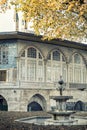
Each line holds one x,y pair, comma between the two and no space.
3,5
56,18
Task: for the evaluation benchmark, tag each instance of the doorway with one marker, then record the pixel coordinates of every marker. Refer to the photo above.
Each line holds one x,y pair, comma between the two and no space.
3,104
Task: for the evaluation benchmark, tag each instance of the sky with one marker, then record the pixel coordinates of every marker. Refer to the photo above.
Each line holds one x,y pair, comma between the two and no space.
7,21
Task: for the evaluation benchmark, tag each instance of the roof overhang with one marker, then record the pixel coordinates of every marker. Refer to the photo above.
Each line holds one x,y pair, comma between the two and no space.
32,37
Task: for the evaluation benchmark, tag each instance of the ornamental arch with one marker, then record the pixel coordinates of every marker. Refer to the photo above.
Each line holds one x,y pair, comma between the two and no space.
3,104
30,46
31,65
77,69
79,106
56,66
59,50
79,53
37,103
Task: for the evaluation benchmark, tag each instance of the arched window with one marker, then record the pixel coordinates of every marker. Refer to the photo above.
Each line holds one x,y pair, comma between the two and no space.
77,59
77,69
31,65
56,66
32,53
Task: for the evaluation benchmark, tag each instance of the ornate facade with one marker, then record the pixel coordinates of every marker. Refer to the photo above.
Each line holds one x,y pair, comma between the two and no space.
30,69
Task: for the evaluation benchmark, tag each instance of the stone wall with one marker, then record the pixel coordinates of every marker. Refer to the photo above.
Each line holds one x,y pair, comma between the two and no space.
18,93
18,99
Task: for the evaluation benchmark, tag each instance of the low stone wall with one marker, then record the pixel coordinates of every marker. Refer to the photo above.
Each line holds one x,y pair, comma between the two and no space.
7,122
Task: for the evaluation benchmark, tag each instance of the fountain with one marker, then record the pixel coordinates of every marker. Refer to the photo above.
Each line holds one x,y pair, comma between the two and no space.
60,116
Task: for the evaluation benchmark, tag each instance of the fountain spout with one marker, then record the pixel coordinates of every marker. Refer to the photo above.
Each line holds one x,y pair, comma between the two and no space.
61,82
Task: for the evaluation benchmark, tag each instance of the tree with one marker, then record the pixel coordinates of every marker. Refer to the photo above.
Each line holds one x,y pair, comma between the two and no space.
55,18
3,5
2,2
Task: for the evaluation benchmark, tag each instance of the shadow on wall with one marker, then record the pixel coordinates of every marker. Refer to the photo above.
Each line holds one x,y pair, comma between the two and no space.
37,103
79,106
34,106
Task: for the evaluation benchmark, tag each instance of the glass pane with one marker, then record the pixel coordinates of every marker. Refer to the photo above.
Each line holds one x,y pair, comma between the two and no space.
31,52
83,61
56,56
49,71
77,59
71,74
22,66
64,72
77,75
31,70
84,75
40,71
56,72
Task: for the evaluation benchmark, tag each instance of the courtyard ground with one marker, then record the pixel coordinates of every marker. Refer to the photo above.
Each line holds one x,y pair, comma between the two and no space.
7,122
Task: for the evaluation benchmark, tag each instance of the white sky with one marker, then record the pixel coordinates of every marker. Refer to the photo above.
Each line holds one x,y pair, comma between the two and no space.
7,21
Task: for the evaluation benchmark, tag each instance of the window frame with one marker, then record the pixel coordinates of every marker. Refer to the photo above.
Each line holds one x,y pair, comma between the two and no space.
58,67
32,64
79,67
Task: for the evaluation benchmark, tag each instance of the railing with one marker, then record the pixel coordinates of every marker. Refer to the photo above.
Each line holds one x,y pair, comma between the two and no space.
78,85
26,84
40,85
4,84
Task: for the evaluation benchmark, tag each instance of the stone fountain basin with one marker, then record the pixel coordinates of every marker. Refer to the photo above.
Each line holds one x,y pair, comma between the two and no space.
61,113
47,120
61,97
38,120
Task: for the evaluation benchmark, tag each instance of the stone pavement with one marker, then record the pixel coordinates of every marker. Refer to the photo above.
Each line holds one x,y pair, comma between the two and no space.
7,122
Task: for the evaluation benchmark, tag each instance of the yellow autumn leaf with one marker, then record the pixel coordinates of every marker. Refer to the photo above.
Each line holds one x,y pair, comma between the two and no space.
55,18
